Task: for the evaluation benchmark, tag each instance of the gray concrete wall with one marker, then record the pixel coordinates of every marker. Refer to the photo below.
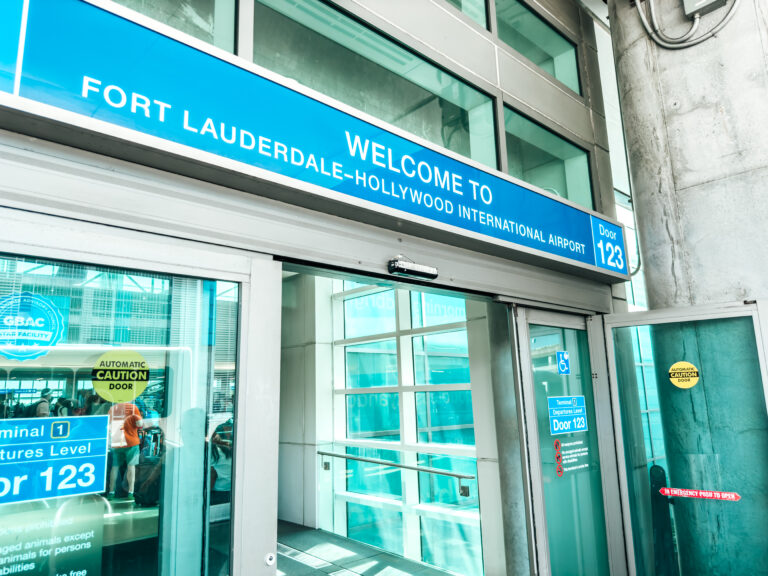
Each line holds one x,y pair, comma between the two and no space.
695,121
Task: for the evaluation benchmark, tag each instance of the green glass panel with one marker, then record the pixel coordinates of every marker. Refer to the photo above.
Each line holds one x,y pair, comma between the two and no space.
373,416
452,545
186,331
709,435
371,364
376,526
429,309
445,417
374,479
367,315
530,35
573,495
544,159
441,358
323,49
475,9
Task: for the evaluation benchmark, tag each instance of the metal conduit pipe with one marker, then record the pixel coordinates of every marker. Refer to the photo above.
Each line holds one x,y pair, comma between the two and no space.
688,43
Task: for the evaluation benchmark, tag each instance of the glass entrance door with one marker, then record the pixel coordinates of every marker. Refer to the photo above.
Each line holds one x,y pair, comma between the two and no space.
561,384
689,397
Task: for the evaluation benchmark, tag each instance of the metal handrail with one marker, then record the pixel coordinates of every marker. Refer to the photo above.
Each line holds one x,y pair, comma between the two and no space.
396,465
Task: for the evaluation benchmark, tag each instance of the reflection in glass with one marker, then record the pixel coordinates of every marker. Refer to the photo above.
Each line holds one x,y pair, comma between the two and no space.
374,479
445,417
372,314
429,309
323,49
373,416
371,364
441,358
169,426
376,526
454,544
703,437
212,21
475,9
546,160
528,33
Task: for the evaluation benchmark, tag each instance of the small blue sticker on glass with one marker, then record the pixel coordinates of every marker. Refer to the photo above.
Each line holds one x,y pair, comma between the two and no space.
563,363
29,324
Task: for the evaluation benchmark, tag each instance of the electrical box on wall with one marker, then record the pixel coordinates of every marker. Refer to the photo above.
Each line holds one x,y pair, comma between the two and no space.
701,7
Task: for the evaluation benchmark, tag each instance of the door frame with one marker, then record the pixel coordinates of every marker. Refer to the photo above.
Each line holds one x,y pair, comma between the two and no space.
258,358
751,309
593,326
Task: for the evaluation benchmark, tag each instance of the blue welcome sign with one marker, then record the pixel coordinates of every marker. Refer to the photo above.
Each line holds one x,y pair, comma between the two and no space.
29,324
123,78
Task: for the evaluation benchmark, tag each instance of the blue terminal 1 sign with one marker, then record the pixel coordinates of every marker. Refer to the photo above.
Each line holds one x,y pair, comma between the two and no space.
52,457
106,71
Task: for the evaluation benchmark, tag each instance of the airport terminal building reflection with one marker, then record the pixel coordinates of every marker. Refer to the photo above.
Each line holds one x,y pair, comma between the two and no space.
207,368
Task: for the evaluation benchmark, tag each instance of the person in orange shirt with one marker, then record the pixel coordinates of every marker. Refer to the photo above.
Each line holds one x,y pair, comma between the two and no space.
125,421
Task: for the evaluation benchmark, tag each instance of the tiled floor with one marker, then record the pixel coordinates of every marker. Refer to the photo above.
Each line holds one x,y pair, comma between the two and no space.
304,552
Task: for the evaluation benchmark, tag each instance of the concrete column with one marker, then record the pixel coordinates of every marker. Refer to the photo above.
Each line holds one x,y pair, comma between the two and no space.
695,122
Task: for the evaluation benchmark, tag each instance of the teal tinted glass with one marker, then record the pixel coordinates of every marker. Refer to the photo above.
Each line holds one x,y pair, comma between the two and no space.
212,21
371,364
374,479
373,416
377,526
699,438
445,417
372,314
475,9
441,358
429,309
570,462
546,160
530,35
452,543
323,49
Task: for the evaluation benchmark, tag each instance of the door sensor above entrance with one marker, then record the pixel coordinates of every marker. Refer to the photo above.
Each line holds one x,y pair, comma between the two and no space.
402,266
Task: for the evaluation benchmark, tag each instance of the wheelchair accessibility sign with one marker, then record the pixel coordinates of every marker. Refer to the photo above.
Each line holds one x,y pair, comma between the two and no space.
563,363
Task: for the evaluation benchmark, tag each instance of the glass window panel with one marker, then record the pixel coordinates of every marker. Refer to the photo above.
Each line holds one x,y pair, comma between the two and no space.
371,364
212,21
452,545
375,526
434,309
323,49
475,9
544,159
445,417
373,416
530,35
169,439
444,490
374,479
367,315
441,358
